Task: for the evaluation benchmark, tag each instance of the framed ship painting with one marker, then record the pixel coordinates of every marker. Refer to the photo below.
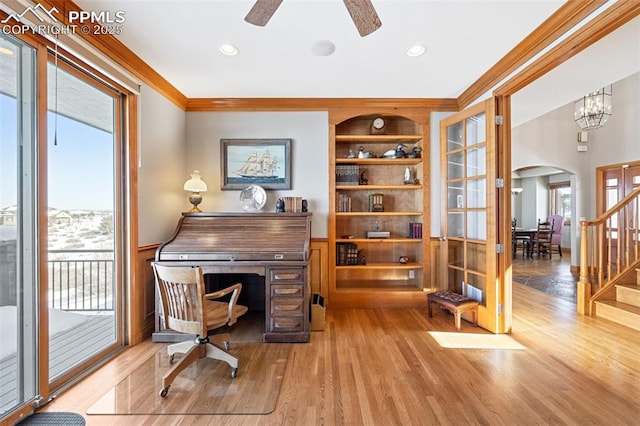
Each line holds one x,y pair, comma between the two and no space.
264,162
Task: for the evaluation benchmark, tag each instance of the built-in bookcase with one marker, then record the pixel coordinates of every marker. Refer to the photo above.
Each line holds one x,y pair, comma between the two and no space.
378,210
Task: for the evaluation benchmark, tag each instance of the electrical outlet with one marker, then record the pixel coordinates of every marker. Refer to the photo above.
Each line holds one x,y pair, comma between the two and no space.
412,274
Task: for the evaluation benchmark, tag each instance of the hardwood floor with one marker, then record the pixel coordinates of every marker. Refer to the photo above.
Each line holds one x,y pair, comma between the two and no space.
384,367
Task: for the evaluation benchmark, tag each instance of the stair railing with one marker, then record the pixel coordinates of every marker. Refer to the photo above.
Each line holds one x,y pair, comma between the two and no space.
608,249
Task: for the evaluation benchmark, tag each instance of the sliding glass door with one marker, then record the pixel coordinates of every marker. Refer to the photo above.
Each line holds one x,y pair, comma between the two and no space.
63,234
83,177
19,320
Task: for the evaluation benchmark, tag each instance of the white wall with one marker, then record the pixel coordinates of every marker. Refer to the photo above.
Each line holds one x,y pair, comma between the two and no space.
551,140
309,132
161,171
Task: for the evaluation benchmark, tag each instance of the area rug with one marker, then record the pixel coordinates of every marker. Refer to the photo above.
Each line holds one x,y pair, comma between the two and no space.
54,418
560,286
205,387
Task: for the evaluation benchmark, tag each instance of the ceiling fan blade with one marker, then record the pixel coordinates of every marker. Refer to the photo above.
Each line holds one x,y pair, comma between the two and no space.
262,11
364,16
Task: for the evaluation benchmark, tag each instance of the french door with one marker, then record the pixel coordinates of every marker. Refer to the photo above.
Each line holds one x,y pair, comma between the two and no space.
471,196
614,182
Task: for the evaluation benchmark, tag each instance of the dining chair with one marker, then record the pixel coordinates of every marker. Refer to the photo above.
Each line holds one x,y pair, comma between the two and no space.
542,240
556,236
523,241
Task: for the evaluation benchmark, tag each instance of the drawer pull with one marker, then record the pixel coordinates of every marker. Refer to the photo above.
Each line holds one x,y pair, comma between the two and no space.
286,276
286,291
284,307
286,325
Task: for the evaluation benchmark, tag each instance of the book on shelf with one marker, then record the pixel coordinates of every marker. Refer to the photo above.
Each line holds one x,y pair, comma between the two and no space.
343,203
347,174
415,230
376,202
346,254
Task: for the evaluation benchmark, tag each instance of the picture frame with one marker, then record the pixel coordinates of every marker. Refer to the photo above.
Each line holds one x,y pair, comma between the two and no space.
264,162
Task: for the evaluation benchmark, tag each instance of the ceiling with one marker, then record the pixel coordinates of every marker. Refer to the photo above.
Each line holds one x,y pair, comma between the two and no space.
463,38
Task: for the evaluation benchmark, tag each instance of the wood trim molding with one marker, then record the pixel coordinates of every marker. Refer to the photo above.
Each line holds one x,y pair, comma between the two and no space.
608,21
568,15
557,24
316,104
142,310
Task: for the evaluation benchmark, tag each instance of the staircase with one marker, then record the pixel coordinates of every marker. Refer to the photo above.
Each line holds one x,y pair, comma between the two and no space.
609,285
625,308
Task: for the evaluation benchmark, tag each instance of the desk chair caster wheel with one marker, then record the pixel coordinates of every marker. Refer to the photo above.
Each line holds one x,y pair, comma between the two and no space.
164,392
234,373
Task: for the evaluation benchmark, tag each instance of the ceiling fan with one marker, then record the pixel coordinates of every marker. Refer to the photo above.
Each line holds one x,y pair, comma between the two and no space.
362,13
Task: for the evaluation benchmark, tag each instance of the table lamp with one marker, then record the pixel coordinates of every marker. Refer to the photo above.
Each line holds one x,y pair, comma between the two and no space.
195,185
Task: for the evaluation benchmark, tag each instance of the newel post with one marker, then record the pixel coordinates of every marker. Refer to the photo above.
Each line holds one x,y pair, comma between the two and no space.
583,292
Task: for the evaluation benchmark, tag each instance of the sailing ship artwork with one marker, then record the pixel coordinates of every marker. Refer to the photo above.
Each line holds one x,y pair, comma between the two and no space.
264,162
259,166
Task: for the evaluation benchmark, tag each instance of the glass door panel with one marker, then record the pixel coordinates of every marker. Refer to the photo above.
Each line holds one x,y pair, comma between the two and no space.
474,287
476,129
18,244
455,165
455,224
454,137
477,225
455,195
477,193
476,161
477,257
82,182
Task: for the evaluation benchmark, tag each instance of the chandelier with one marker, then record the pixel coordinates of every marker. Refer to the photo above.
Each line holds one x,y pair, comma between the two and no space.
593,110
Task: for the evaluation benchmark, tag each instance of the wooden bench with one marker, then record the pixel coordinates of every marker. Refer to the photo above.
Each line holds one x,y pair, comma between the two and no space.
454,303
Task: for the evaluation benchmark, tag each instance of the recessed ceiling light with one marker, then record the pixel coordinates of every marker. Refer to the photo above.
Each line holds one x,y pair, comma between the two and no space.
416,50
228,49
323,48
6,51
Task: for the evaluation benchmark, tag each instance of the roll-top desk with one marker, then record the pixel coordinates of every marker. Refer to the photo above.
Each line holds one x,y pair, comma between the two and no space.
272,245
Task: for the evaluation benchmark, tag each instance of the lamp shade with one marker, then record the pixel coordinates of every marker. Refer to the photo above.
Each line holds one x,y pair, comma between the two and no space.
195,184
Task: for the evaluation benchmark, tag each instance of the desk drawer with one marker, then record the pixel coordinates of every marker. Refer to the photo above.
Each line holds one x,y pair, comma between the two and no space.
285,324
286,275
282,291
287,306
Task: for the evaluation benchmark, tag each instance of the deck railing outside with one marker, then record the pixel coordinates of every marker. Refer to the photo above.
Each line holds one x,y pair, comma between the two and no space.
81,280
609,247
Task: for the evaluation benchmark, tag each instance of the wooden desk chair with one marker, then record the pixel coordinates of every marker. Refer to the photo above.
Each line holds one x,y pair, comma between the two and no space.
542,241
186,308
